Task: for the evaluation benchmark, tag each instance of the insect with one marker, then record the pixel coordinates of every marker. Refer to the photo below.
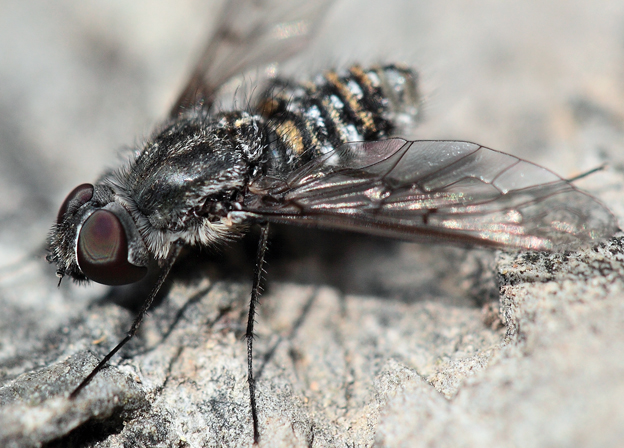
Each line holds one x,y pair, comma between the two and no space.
317,153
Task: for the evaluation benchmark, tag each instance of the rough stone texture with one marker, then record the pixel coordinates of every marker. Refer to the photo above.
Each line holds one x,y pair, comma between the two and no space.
361,341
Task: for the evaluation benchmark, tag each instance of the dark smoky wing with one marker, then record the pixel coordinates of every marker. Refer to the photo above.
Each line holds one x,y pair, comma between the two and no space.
250,33
452,191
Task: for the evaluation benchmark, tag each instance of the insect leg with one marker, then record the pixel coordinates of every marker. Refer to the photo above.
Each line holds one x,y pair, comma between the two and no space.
137,321
255,295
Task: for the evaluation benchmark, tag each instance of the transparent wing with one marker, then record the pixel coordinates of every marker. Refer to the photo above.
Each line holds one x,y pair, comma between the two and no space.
446,190
250,33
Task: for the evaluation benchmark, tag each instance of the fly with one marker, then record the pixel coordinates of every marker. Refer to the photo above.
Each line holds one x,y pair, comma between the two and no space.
320,153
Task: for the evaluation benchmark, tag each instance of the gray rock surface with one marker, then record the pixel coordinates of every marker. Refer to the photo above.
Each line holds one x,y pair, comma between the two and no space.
361,341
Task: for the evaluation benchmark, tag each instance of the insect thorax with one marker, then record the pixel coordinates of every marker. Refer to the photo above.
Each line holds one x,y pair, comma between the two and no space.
310,119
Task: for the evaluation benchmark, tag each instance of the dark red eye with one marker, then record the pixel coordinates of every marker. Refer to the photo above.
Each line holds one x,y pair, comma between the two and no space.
81,194
103,251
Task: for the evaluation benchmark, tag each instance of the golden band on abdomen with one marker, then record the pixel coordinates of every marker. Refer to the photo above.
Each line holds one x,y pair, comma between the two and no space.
310,119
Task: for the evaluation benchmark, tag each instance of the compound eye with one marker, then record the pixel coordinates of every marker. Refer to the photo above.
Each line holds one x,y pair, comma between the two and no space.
103,251
81,194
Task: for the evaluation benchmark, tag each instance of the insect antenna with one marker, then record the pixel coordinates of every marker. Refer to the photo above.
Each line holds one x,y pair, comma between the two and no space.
137,321
255,296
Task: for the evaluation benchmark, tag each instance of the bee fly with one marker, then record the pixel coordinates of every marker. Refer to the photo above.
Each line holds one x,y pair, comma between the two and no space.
316,153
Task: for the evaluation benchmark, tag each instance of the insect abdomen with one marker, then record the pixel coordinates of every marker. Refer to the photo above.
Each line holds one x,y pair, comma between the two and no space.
310,119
